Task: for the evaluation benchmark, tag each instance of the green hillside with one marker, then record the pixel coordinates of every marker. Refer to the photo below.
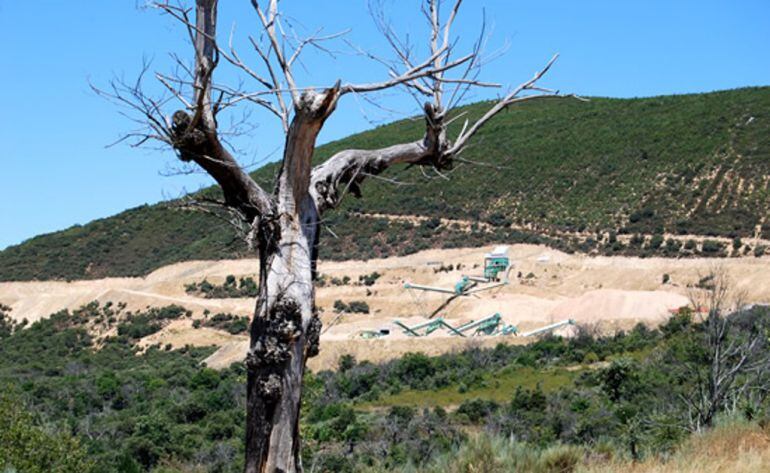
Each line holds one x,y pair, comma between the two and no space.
690,164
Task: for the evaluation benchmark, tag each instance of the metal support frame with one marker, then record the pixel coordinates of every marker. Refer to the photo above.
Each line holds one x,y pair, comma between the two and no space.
491,325
483,325
548,327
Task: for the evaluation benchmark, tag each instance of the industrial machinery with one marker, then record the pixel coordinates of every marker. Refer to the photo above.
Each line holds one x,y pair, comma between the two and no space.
492,325
427,328
464,287
496,264
487,326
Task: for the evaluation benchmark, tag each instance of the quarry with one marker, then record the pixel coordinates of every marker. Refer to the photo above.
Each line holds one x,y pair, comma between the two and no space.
546,286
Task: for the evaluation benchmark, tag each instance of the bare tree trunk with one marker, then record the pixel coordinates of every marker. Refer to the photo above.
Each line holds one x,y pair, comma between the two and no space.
286,328
283,334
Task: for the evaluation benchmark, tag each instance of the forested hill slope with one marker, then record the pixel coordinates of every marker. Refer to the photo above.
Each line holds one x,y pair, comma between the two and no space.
571,174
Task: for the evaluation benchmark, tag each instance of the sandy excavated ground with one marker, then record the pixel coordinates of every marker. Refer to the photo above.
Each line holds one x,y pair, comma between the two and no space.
613,292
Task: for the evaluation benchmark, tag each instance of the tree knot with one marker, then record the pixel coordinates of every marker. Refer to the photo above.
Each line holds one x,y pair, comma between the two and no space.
189,141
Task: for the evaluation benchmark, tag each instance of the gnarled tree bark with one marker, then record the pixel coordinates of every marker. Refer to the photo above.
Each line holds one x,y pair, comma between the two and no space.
285,329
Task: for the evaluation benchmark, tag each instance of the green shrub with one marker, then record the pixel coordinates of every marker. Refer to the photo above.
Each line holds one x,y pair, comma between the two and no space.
7,323
230,323
711,246
354,307
340,306
656,242
369,279
25,446
476,410
244,287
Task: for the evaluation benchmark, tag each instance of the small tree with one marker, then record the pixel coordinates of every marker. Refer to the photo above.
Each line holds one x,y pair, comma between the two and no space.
730,359
26,446
284,225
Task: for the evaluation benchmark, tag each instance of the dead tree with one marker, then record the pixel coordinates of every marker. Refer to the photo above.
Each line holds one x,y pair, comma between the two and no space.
731,359
285,222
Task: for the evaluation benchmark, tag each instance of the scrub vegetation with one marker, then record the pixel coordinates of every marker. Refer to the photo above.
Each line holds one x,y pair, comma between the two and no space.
244,287
588,403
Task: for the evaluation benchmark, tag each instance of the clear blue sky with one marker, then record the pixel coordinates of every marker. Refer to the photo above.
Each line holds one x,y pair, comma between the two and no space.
56,171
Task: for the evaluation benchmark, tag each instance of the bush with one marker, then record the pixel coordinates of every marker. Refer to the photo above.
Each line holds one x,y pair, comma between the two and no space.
27,447
369,279
230,323
590,358
433,223
139,327
476,410
7,324
346,362
355,307
340,282
244,287
553,194
499,220
711,246
656,242
141,324
620,380
157,409
358,307
644,214
673,246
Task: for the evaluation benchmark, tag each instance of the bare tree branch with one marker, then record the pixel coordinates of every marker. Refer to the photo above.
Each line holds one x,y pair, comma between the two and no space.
505,102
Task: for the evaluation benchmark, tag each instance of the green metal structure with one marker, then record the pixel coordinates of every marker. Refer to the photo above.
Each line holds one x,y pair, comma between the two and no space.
427,328
492,325
496,262
489,326
462,285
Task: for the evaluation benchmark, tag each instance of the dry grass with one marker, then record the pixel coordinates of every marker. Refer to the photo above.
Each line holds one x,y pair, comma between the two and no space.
733,448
